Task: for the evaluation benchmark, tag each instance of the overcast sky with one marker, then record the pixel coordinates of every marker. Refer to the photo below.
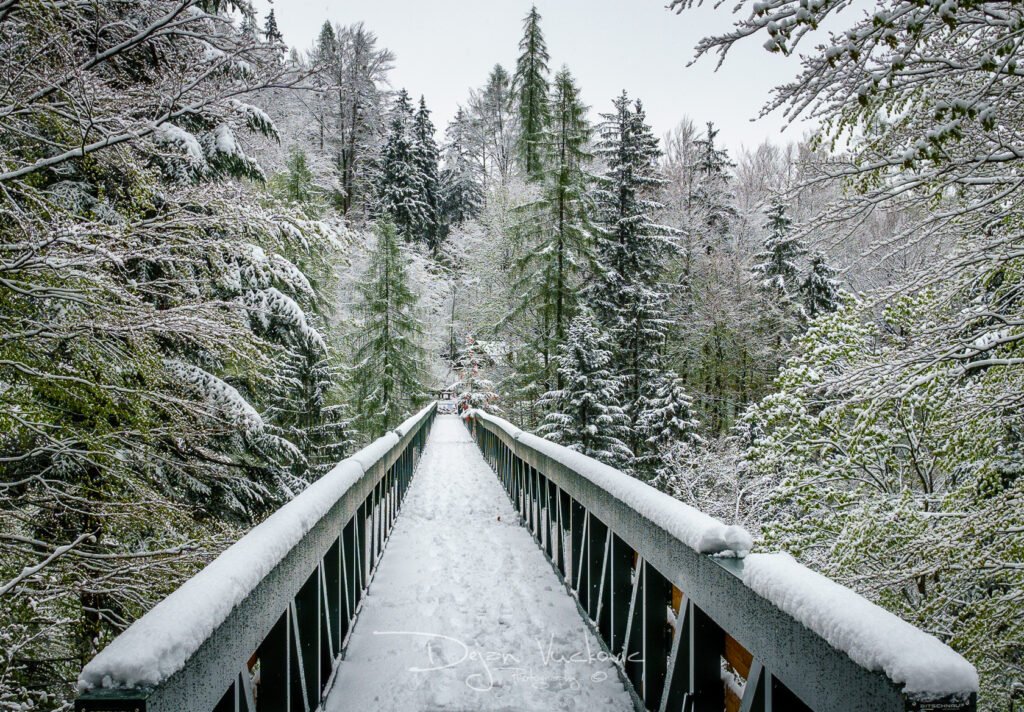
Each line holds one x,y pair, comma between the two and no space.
446,47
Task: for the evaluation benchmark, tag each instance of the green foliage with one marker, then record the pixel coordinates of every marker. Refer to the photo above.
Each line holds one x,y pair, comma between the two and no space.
388,375
297,182
585,414
530,87
901,496
556,234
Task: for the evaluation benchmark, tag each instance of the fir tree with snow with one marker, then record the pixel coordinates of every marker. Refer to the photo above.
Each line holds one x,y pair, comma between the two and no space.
400,186
626,291
666,420
585,414
473,388
248,25
530,86
425,158
271,34
326,44
820,289
712,194
777,268
388,375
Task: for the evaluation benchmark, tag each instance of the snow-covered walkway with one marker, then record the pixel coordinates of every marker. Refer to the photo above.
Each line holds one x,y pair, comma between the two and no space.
465,613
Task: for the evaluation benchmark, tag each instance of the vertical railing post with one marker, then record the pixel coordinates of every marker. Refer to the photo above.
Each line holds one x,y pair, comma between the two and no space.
657,599
274,663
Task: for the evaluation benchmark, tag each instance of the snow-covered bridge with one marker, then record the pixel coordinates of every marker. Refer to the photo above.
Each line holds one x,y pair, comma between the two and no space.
550,582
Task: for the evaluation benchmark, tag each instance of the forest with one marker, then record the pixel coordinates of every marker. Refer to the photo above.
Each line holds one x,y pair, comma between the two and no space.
226,263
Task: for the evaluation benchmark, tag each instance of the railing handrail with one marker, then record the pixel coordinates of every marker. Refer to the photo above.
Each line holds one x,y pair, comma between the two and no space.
230,606
827,644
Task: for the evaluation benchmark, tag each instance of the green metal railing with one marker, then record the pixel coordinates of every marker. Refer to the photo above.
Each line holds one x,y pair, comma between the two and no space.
689,634
278,647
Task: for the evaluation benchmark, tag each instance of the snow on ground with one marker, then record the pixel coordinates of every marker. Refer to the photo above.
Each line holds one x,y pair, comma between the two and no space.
465,613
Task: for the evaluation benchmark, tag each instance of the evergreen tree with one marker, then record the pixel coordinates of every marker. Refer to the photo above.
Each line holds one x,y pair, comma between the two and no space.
327,44
400,190
630,250
557,232
474,390
248,26
820,289
296,183
271,33
460,193
666,420
387,379
712,197
777,267
425,159
530,86
585,413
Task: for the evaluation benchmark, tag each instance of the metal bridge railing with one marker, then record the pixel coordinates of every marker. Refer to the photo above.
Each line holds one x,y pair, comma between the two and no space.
690,630
264,626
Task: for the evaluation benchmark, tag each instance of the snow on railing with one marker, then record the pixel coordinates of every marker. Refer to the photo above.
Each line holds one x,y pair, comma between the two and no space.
241,596
693,617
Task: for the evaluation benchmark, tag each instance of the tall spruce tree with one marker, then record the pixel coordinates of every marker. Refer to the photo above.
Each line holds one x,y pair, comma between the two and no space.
666,419
585,413
327,44
630,250
387,379
557,233
248,27
777,266
400,189
271,33
820,290
712,197
530,86
425,159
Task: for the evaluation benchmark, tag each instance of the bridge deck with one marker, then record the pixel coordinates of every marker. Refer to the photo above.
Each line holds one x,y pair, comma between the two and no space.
464,612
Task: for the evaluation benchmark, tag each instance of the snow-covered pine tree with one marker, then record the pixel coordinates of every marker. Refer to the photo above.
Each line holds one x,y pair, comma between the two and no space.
585,414
557,235
666,421
712,198
777,267
630,248
271,34
399,189
326,44
248,26
474,390
530,86
820,289
387,378
461,194
425,159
